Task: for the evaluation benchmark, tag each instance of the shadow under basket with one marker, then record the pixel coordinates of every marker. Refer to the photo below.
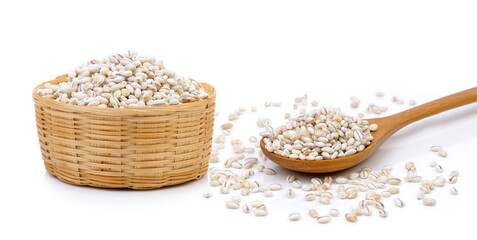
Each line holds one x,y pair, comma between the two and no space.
138,148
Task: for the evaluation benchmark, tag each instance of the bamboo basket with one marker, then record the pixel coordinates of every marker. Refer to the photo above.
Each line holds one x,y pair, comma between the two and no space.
138,148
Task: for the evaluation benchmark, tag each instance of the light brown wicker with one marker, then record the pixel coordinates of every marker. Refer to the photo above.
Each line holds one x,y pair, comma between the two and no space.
138,148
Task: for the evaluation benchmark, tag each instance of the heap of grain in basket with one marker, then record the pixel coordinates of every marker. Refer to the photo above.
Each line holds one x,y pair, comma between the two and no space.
122,81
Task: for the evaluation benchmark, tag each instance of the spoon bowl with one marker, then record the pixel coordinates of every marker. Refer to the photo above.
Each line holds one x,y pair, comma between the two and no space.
387,126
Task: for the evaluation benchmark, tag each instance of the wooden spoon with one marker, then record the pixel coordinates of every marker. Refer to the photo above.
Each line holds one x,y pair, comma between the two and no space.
387,127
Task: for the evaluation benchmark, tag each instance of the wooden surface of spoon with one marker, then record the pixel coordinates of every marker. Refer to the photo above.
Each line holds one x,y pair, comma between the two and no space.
387,127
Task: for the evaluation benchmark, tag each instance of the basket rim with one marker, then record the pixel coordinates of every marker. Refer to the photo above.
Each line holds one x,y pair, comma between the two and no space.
49,101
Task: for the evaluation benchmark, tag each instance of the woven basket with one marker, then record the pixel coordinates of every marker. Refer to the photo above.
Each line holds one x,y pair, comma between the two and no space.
138,148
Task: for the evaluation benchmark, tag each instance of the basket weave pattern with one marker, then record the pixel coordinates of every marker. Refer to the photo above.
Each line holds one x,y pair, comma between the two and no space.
138,148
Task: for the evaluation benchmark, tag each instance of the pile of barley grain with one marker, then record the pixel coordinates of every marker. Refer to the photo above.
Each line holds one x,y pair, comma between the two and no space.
124,81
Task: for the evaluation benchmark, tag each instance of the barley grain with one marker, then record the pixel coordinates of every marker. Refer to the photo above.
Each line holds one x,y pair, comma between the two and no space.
275,187
394,181
454,191
224,190
429,201
260,212
268,193
307,187
453,180
324,200
269,171
442,153
310,197
323,219
207,194
245,208
232,205
294,217
420,195
398,202
386,194
435,148
334,212
354,175
290,193
351,217
291,178
313,213
296,184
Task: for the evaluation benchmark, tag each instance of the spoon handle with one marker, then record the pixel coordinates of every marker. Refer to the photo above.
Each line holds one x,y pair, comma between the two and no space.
434,107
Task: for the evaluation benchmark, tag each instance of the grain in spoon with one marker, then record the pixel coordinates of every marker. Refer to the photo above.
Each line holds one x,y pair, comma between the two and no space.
387,127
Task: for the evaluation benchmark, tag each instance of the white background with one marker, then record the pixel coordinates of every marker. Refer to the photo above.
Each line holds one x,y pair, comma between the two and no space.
251,51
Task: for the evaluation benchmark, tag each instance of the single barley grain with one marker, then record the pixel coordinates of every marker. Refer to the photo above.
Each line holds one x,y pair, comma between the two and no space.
341,180
269,171
307,187
310,197
354,175
245,208
256,204
442,153
232,205
296,184
224,190
323,219
398,202
268,193
453,180
275,187
435,148
454,191
394,181
324,200
294,217
260,212
245,191
334,212
313,213
207,194
351,217
290,193
227,126
429,201
420,195
386,194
